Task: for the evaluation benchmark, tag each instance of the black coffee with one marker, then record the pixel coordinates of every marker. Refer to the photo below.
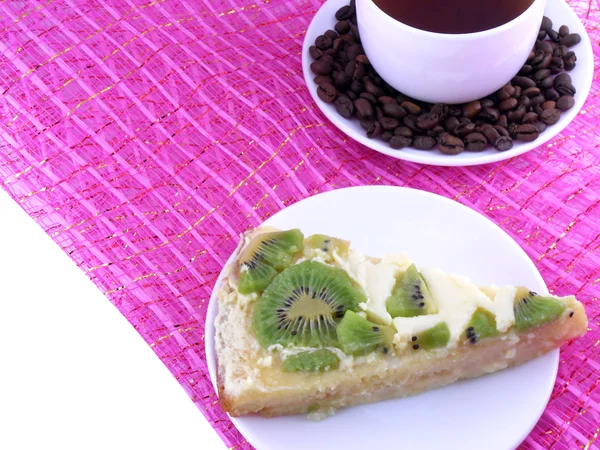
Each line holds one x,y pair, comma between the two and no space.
454,16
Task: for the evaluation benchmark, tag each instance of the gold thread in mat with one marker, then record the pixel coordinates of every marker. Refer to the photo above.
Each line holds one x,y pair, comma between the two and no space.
591,441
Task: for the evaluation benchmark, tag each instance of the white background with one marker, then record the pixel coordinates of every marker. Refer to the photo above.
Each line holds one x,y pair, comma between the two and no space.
74,374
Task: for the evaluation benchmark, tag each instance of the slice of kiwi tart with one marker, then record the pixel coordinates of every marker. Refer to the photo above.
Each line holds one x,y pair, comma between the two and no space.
303,305
410,296
304,338
265,255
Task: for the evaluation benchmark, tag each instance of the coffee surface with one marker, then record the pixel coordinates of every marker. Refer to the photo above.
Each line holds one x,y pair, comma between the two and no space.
454,16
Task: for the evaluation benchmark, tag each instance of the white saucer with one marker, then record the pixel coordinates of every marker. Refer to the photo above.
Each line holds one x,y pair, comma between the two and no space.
495,412
582,75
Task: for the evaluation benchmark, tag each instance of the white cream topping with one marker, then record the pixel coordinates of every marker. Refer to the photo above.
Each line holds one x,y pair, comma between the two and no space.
458,298
377,280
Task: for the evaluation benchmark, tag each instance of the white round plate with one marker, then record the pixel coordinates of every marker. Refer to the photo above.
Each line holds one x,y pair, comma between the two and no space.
582,75
495,412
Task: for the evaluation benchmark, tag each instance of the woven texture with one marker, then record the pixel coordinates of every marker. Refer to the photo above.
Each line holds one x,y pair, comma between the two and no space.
143,137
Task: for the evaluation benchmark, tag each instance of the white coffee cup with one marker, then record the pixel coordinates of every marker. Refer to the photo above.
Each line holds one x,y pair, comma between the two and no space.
446,68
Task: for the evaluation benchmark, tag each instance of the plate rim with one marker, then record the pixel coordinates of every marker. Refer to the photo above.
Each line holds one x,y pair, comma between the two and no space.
212,309
435,158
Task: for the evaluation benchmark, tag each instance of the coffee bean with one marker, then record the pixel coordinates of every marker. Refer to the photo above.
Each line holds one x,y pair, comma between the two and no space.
541,75
569,40
502,121
512,130
327,92
348,39
363,59
320,79
450,123
386,100
570,61
341,80
370,97
563,78
323,42
371,88
386,136
503,143
366,123
357,87
518,92
546,23
544,63
542,34
470,110
464,129
342,27
475,142
351,95
437,133
566,89
403,131
344,13
400,142
441,110
490,133
549,105
411,122
394,110
557,65
331,34
537,109
565,102
491,114
523,82
424,142
551,94
550,116
541,126
454,111
314,52
543,46
389,124
428,120
530,117
374,130
379,114
501,130
561,51
508,104
354,50
553,35
450,145
527,133
537,100
517,115
531,92
546,83
411,108
354,30
344,106
537,58
486,103
363,108
321,67
563,31
525,70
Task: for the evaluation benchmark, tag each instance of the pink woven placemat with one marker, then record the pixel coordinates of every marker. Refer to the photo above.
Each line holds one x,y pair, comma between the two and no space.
144,136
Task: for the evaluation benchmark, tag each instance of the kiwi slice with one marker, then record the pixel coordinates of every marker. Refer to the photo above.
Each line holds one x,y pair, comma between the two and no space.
410,296
481,325
533,310
435,337
327,244
311,361
358,336
303,305
265,255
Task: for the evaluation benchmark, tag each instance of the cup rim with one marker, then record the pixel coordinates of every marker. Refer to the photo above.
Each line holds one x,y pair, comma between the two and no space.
458,36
